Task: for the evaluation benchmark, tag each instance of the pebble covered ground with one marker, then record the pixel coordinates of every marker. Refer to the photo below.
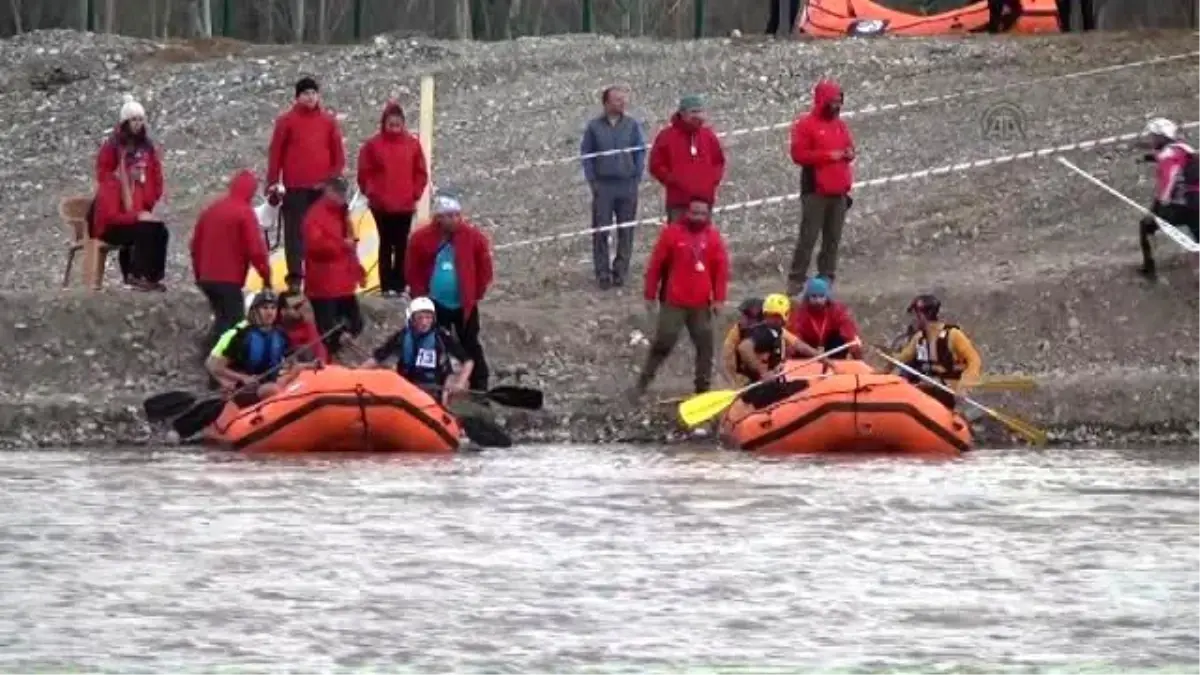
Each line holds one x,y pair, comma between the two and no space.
1036,262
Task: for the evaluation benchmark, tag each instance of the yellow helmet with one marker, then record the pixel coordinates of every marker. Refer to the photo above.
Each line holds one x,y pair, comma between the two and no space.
777,304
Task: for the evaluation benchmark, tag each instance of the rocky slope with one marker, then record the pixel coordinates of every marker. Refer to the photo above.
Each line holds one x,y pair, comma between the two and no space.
1035,262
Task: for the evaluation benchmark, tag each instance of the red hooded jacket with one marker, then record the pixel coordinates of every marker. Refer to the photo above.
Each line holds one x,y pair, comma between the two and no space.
331,266
815,138
688,268
141,162
815,324
306,147
227,240
688,161
391,168
110,209
472,261
305,334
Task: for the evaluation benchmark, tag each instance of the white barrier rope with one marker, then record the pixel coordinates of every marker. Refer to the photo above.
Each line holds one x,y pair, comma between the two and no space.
871,109
895,178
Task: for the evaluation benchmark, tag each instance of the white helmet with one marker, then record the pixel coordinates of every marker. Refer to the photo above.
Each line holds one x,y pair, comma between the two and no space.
420,305
1161,126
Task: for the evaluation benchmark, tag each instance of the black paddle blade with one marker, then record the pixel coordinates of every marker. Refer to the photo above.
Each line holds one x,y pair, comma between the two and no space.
517,397
167,405
199,417
484,433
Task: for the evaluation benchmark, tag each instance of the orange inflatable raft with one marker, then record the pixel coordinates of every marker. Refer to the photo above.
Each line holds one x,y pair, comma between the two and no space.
336,409
848,408
845,18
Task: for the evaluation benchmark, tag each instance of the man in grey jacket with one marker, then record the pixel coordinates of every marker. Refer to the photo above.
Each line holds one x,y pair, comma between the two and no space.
613,153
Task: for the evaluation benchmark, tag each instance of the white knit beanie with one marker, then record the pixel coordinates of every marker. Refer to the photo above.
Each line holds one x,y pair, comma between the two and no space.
131,109
444,205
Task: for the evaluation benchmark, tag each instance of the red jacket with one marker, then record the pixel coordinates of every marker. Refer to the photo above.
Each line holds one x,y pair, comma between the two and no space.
227,240
688,162
391,168
331,266
472,262
815,325
687,268
306,147
305,335
141,162
814,139
110,208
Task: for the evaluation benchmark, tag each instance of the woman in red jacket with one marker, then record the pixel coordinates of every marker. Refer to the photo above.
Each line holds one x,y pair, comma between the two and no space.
393,176
130,143
332,272
689,272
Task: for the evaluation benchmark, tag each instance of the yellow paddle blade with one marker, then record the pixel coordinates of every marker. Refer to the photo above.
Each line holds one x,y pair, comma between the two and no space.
703,407
1020,427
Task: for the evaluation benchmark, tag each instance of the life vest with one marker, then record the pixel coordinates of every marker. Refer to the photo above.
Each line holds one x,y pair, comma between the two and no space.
771,359
423,359
1178,175
260,350
946,368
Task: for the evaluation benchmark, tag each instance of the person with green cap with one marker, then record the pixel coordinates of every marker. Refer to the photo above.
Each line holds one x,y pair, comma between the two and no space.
687,158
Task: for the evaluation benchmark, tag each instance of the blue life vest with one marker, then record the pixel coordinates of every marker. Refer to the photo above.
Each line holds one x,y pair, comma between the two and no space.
262,350
423,358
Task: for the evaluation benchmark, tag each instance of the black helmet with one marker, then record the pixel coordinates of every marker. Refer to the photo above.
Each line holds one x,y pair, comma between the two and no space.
751,307
264,297
927,304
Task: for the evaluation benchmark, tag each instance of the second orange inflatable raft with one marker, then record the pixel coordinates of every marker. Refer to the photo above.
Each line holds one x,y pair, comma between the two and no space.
340,409
845,18
848,408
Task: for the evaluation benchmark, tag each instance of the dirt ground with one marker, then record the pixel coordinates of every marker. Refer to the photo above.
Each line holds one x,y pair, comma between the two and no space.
1035,263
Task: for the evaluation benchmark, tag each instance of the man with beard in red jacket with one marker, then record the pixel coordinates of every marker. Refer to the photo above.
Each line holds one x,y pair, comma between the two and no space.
306,150
687,158
332,269
450,262
823,148
226,243
688,274
822,322
393,176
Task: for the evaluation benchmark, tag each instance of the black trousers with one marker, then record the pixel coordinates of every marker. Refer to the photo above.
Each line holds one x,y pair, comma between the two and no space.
227,306
1177,215
773,21
393,231
329,312
998,20
296,203
1087,14
466,329
147,241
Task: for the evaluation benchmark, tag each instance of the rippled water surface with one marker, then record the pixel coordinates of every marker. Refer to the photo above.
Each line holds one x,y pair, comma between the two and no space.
566,559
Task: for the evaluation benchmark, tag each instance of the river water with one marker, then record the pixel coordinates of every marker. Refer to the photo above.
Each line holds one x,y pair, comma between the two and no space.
560,559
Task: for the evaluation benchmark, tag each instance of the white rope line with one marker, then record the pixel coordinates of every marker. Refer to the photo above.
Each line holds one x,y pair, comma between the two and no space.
886,180
869,110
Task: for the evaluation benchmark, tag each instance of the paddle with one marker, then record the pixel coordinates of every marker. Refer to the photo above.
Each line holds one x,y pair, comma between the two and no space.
204,413
524,398
168,404
484,433
1020,427
703,407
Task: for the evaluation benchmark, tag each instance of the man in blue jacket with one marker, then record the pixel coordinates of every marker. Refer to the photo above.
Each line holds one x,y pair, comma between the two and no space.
614,158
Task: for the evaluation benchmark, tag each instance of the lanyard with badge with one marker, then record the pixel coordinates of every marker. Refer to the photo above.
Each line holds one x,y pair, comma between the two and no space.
447,264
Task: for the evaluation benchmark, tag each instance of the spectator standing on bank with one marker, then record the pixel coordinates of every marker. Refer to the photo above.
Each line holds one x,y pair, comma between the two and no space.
613,153
687,281
823,148
334,272
226,244
392,174
450,261
306,150
687,158
130,141
773,21
1087,14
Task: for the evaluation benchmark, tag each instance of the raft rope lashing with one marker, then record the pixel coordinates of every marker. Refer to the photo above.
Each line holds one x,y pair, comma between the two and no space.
361,394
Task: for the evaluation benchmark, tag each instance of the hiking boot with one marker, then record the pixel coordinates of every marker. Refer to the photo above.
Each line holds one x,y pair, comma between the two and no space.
604,283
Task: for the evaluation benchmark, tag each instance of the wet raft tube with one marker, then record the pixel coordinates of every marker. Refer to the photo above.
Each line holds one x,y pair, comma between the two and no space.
338,409
364,230
842,18
849,410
